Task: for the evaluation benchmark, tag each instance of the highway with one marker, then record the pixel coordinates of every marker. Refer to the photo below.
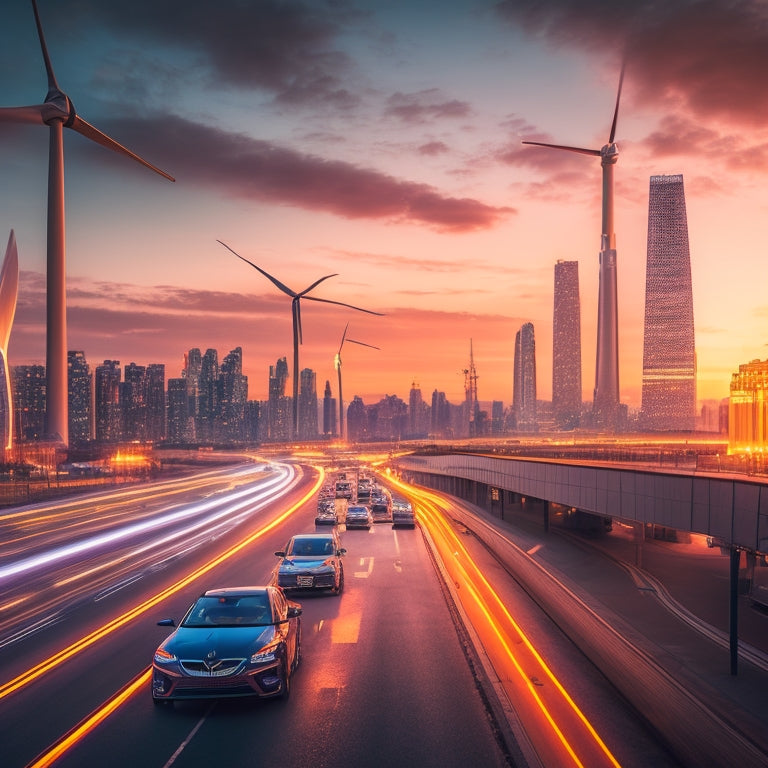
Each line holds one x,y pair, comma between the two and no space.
432,656
384,678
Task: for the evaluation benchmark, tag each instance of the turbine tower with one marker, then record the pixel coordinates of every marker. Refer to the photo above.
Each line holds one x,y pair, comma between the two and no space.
9,290
337,363
605,404
296,313
58,112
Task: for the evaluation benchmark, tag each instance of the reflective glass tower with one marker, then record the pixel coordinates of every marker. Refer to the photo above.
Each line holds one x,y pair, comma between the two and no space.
566,346
524,380
669,356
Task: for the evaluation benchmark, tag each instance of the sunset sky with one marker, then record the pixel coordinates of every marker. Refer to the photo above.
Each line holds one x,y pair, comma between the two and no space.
382,141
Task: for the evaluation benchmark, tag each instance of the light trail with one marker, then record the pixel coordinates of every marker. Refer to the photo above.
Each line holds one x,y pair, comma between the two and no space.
243,497
80,731
479,597
27,677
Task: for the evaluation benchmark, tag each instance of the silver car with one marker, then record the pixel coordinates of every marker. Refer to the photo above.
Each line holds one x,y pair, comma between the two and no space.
310,562
236,641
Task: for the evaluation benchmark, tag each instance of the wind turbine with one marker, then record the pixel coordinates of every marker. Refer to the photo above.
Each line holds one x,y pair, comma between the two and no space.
606,395
58,112
296,313
9,290
337,363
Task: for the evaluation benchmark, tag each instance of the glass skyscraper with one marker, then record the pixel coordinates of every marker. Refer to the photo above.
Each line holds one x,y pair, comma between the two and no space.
524,380
566,347
669,355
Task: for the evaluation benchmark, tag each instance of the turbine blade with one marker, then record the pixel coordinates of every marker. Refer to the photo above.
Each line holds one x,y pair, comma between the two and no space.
343,337
86,129
9,291
274,280
616,110
342,304
316,283
32,114
580,150
52,84
363,344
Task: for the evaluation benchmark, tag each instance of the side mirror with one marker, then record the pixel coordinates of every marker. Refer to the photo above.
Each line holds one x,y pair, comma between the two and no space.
280,553
341,552
293,612
166,623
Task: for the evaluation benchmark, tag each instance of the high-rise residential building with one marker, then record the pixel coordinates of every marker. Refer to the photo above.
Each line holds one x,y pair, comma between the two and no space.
133,403
440,415
207,397
669,355
357,420
418,414
179,421
329,411
566,347
193,363
80,396
307,405
156,403
280,415
748,408
524,380
107,401
29,389
232,398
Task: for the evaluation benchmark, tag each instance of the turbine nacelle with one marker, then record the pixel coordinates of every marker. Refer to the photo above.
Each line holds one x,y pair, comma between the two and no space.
609,154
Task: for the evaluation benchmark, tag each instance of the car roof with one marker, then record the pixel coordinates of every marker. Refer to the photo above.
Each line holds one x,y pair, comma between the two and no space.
241,591
298,536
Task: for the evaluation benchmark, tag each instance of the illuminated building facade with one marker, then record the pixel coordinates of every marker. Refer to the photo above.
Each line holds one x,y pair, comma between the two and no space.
748,408
80,394
669,355
566,347
29,399
524,380
307,404
107,401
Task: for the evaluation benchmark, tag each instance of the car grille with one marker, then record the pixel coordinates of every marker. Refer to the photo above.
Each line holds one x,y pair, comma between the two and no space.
223,668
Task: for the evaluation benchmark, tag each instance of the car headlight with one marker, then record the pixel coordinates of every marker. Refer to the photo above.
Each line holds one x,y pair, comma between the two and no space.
266,655
163,657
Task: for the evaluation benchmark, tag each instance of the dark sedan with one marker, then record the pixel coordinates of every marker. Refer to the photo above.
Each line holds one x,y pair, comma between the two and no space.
237,641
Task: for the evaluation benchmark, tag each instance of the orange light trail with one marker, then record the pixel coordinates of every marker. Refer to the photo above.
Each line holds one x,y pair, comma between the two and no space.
79,732
497,617
24,679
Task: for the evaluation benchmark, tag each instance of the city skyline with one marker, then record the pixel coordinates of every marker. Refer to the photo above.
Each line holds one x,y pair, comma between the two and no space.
397,163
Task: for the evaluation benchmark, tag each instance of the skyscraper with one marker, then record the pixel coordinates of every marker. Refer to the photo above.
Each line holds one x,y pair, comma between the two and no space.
280,427
156,416
307,405
524,380
232,397
329,411
207,397
80,394
107,401
178,412
29,399
669,355
566,346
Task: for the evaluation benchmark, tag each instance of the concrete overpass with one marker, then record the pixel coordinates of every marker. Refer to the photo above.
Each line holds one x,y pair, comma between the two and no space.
732,508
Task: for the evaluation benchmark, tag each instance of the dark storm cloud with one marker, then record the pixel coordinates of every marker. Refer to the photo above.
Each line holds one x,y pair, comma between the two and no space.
284,46
708,56
258,170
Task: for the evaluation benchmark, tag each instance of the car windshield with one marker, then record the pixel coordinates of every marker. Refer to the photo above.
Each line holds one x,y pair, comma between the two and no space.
310,547
230,611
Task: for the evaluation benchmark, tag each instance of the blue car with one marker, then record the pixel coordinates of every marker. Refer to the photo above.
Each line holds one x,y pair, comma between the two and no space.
236,641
